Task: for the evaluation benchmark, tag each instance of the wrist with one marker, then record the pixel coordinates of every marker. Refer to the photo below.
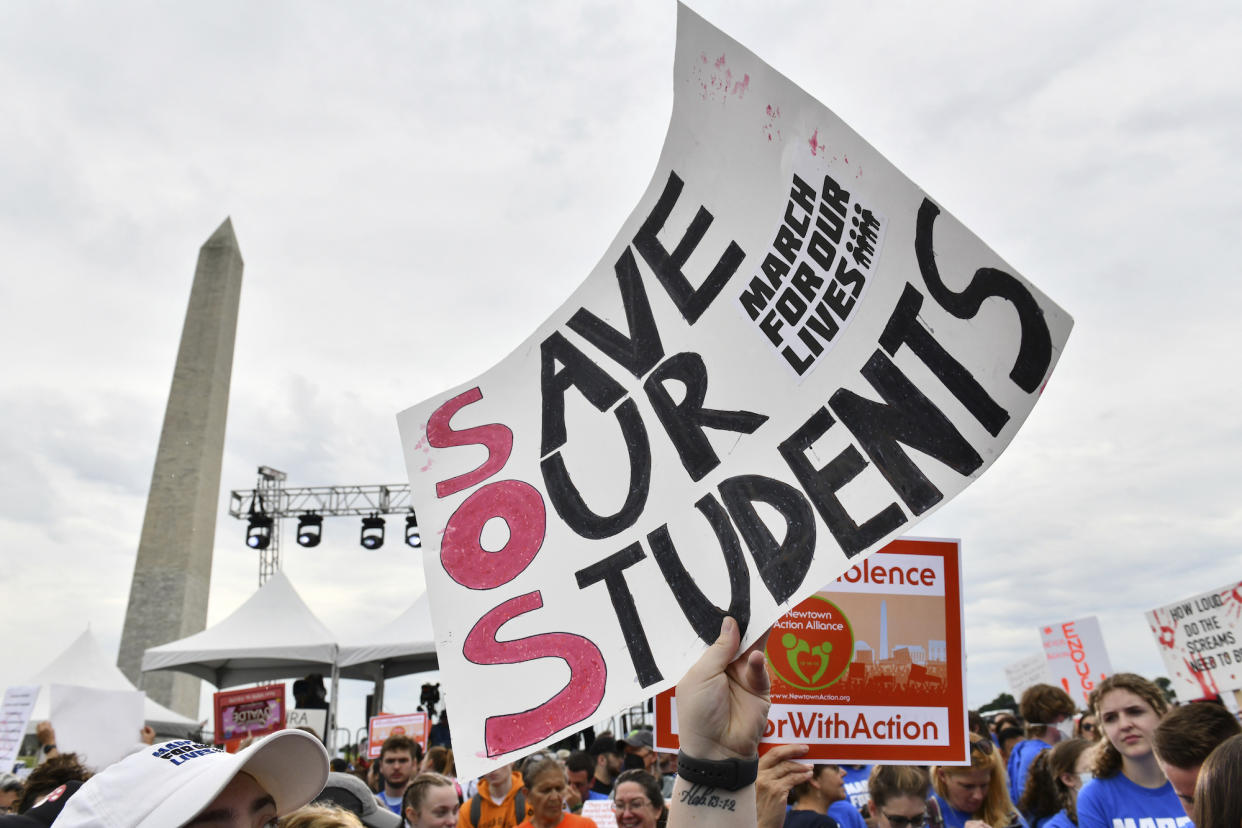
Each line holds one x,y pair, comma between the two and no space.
726,774
711,751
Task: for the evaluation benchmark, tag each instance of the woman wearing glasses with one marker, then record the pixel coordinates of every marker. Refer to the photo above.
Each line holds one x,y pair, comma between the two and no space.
899,796
1129,787
975,796
637,800
546,789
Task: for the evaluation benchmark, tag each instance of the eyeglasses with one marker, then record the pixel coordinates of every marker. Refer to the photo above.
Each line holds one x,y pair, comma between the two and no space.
898,821
632,805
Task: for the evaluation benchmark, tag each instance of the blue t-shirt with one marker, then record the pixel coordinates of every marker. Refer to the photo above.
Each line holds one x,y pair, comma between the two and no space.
856,779
808,819
846,815
1020,759
393,805
953,818
1116,802
1060,820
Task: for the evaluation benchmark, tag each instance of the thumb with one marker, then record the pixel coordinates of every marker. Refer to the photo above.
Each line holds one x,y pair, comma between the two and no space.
718,656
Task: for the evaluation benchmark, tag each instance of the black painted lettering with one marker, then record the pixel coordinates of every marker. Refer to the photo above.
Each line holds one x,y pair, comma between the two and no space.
691,302
904,328
703,615
906,417
578,371
822,485
686,421
640,350
611,571
1035,345
568,501
783,564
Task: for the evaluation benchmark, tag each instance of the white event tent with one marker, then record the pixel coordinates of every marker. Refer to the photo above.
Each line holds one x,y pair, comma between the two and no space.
273,635
404,646
84,664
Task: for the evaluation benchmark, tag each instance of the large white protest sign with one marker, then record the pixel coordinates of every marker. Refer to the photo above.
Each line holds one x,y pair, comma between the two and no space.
787,356
1077,657
1200,639
102,726
19,702
1026,672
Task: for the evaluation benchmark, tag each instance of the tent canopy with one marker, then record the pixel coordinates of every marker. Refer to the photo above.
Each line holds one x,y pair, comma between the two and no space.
84,664
404,646
273,635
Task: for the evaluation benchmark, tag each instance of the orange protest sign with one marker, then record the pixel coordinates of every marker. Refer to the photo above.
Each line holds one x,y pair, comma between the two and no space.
869,669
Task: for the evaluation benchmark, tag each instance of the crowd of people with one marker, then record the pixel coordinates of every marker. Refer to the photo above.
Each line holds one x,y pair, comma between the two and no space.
1128,761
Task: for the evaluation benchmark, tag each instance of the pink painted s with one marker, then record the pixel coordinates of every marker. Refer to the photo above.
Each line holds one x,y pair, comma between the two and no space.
497,438
579,698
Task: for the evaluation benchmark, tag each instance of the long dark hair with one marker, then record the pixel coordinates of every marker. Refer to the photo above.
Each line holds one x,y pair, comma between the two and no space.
1045,793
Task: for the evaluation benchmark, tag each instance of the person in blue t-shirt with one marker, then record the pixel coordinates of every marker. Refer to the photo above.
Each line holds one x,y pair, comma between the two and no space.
1053,781
811,800
1129,788
975,796
1049,714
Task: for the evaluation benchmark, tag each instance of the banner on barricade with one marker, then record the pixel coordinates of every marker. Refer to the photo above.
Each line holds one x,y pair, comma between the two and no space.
869,669
1200,640
1026,672
379,728
786,358
1076,656
255,711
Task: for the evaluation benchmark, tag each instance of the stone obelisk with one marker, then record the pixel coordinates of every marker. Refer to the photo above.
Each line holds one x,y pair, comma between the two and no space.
172,575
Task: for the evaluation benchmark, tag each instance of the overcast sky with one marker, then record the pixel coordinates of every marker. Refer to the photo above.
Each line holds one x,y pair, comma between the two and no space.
416,186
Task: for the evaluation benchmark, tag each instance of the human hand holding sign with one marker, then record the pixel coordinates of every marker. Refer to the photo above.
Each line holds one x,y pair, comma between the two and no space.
722,707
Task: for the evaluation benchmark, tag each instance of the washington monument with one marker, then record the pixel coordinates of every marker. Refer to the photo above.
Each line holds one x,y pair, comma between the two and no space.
172,575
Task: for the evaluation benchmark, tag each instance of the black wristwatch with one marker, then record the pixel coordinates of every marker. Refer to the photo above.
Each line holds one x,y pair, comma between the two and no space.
722,774
48,748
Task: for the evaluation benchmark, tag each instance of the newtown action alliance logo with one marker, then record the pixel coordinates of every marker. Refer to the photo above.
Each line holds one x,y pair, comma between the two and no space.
810,648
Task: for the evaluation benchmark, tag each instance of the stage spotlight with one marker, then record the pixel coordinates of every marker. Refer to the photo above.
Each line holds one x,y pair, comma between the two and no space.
259,531
310,529
412,535
372,532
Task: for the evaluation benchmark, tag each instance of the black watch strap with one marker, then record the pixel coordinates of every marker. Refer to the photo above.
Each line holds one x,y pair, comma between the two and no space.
722,774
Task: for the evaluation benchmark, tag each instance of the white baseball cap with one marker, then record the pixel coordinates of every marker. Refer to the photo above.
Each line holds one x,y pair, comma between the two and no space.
168,784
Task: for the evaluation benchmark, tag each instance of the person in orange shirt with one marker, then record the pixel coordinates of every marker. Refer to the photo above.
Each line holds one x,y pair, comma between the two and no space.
547,789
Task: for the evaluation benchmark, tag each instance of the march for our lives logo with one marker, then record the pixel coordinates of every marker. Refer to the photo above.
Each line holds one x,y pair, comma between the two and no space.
810,648
182,751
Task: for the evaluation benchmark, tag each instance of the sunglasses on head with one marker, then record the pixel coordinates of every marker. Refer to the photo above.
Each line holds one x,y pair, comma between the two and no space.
984,746
898,821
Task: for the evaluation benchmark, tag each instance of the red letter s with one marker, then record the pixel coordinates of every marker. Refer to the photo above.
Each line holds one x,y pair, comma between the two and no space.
576,701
